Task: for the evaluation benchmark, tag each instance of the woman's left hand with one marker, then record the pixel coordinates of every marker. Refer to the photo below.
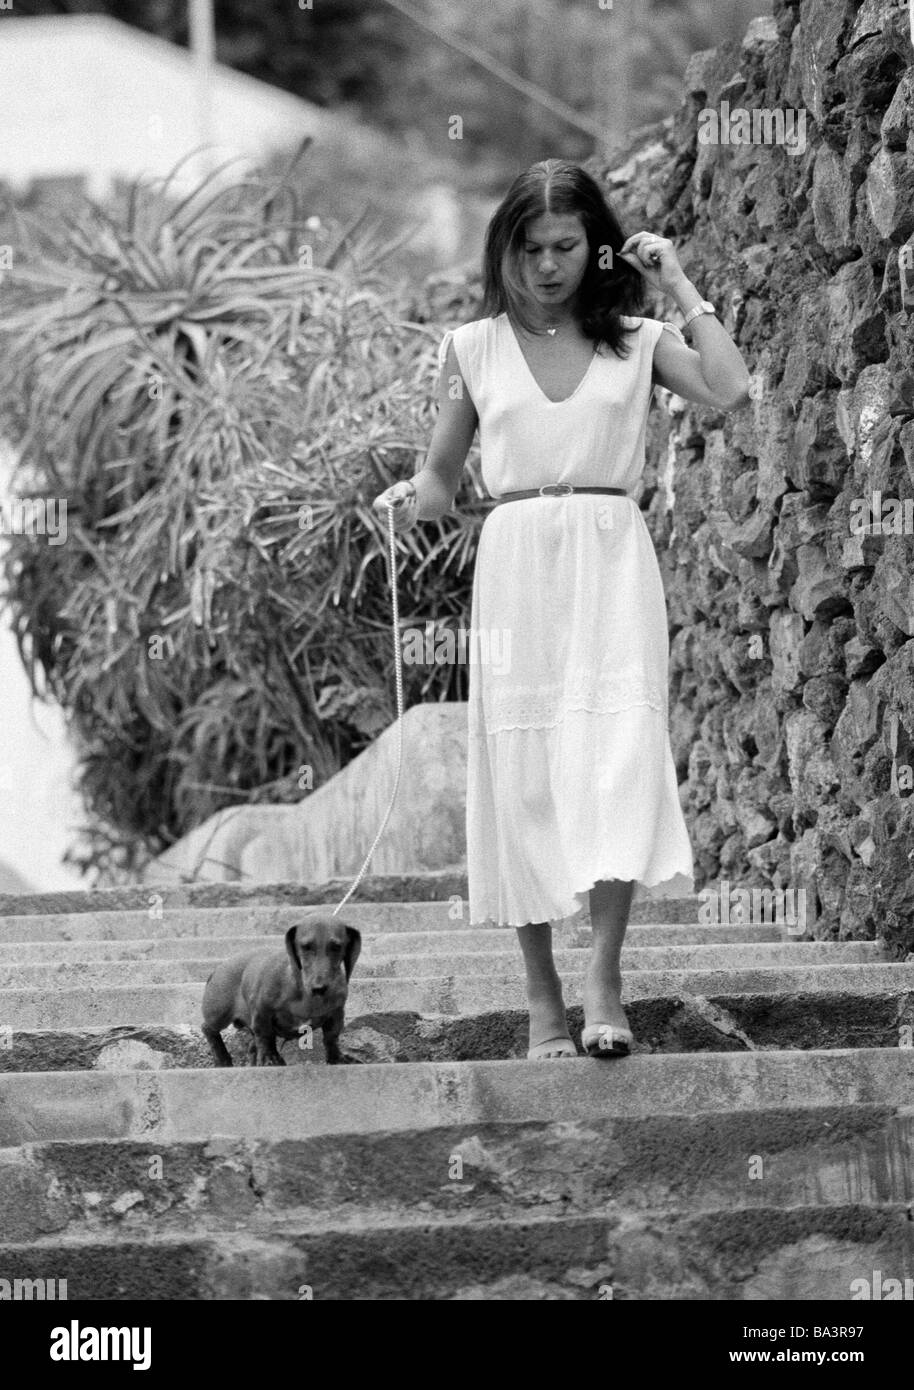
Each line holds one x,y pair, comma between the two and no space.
655,257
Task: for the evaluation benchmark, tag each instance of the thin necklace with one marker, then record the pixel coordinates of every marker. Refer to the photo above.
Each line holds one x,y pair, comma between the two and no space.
551,331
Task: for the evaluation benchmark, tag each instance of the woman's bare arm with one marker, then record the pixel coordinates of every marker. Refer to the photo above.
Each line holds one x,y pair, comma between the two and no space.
715,374
681,369
437,481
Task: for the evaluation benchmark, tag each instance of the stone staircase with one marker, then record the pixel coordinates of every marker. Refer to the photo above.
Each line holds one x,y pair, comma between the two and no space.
758,1145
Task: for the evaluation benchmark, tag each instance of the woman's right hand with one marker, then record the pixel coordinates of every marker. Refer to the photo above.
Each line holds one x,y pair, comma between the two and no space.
405,504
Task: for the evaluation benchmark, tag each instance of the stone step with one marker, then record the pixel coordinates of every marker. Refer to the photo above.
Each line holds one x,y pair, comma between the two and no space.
429,886
400,918
686,1023
110,944
53,973
442,886
292,1103
667,1165
811,1253
173,1004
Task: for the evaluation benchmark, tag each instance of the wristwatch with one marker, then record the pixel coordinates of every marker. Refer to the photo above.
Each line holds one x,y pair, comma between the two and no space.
702,307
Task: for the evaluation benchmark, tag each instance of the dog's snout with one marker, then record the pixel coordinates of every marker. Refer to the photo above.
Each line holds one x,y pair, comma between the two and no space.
318,989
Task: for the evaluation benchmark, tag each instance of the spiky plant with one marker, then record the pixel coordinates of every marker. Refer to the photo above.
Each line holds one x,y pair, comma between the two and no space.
218,385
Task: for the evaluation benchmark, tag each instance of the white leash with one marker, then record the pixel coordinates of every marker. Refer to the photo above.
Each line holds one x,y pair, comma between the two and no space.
398,671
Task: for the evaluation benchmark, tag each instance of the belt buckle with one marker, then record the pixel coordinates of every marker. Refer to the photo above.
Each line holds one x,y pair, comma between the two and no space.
549,490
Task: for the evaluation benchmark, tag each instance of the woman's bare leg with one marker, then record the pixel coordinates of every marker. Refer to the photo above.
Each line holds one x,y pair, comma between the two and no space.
544,988
610,904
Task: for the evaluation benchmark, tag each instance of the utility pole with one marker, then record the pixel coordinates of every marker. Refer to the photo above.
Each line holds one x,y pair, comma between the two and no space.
616,22
203,49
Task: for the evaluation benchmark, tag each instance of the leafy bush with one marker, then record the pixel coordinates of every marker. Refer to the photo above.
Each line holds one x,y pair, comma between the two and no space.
218,385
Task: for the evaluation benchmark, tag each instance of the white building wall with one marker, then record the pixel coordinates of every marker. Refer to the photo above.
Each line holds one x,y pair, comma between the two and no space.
88,95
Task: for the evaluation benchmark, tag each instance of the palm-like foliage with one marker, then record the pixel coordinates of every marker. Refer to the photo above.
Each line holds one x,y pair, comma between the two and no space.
218,386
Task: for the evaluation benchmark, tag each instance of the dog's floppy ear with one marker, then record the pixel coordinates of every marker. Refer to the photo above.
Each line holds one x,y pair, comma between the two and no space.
353,950
292,949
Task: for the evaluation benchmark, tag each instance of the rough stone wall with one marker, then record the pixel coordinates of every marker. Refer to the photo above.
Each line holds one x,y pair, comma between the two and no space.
792,659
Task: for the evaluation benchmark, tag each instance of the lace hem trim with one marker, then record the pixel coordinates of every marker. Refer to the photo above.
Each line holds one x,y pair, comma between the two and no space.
565,912
542,707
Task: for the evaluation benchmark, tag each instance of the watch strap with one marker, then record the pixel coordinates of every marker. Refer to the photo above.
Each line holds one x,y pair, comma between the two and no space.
702,307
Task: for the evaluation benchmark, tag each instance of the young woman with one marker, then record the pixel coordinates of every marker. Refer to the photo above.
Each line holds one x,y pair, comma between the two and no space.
571,787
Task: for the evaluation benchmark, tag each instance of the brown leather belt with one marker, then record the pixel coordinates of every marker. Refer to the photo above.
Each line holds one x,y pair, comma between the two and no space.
556,490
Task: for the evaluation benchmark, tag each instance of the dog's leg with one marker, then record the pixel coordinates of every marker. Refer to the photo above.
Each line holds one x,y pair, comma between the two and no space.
332,1027
221,1054
245,1033
265,1042
266,1055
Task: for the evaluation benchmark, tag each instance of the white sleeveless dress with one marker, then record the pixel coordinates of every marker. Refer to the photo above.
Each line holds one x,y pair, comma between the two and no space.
570,775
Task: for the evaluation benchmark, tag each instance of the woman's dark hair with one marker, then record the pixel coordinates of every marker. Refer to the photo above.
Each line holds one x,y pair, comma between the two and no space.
606,291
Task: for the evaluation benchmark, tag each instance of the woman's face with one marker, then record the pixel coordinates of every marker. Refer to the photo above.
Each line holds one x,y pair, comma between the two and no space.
554,255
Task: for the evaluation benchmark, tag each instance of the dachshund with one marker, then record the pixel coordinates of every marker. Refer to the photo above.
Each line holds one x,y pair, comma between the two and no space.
274,993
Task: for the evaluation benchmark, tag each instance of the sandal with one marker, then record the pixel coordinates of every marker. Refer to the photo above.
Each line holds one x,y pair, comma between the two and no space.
539,1052
604,1040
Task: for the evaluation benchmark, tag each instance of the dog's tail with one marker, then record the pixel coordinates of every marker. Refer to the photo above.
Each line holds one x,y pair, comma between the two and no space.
212,1017
221,1054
